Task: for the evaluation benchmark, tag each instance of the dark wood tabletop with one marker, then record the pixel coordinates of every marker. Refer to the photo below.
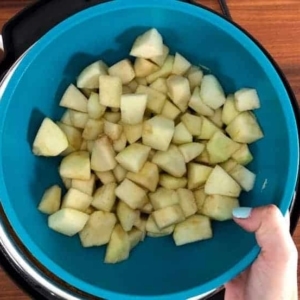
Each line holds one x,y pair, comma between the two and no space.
276,24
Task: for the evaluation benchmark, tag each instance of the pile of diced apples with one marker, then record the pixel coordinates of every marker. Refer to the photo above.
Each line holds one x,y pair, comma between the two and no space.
152,147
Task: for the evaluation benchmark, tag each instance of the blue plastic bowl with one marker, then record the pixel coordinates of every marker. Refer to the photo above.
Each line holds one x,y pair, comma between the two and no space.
156,267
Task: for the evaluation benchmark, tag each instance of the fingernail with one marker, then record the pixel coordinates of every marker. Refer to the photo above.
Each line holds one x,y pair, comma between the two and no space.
242,212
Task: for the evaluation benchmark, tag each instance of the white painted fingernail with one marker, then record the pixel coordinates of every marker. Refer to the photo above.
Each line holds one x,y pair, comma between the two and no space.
242,212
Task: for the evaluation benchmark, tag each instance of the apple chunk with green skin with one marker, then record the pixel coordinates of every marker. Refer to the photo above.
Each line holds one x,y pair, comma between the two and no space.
50,202
195,228
245,129
171,161
76,166
158,132
147,45
133,107
133,157
220,147
68,221
50,140
218,207
118,247
98,229
220,182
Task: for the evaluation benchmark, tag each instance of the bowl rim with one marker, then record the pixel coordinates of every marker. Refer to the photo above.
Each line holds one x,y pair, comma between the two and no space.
209,16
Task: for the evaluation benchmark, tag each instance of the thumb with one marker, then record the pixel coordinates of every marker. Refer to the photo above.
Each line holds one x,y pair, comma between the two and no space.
270,230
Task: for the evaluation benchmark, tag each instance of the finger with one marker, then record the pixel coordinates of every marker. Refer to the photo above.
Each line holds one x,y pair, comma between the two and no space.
270,229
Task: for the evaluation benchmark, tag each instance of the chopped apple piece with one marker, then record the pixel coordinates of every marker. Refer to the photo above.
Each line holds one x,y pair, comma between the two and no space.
76,166
163,198
119,173
160,84
194,75
111,90
90,146
170,110
106,177
198,105
98,229
135,236
133,85
85,186
244,177
164,71
74,99
181,64
156,99
179,91
219,207
73,135
118,247
147,177
133,107
187,202
211,92
50,202
246,99
171,161
181,135
78,118
168,216
220,147
120,143
89,77
197,175
243,155
228,165
94,108
93,128
191,150
103,155
140,224
133,157
144,67
141,81
203,157
229,111
104,197
126,215
65,119
113,117
112,130
244,129
122,69
192,123
208,129
133,195
160,59
172,183
77,200
67,182
221,183
148,45
152,228
133,132
217,118
195,228
50,140
200,197
90,210
68,221
158,132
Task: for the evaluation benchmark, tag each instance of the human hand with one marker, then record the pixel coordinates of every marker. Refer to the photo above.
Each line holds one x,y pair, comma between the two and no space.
273,276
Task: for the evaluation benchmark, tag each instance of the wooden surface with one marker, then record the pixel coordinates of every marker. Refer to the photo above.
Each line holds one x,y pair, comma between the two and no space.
276,24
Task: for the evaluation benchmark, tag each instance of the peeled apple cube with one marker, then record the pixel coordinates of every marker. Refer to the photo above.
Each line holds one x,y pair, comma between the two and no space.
118,247
244,177
229,111
158,132
135,236
160,84
78,118
50,202
106,177
104,197
133,157
133,132
191,150
181,64
196,104
171,161
85,186
120,143
112,130
68,221
119,173
220,147
154,231
76,166
172,183
112,117
94,108
164,71
147,45
228,165
111,90
194,75
77,200
243,155
168,216
144,67
65,119
217,118
163,198
160,59
170,110
220,182
74,99
218,207
89,77
122,69
93,128
126,215
195,228
133,85
246,99
200,197
192,123
179,91
181,135
73,135
244,129
187,202
211,92
208,129
50,140
197,175
98,229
